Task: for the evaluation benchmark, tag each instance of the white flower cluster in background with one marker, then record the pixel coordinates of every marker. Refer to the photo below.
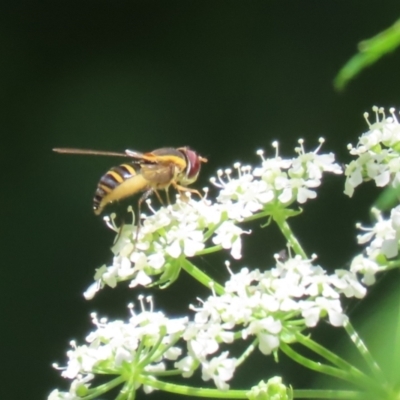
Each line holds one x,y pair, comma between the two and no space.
378,159
383,245
377,153
187,227
141,346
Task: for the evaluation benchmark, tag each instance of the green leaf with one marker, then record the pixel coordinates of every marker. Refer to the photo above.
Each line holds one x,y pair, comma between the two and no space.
388,199
370,51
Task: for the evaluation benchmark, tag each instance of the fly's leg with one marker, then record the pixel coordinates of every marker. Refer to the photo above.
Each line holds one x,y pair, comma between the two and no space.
158,196
184,189
144,196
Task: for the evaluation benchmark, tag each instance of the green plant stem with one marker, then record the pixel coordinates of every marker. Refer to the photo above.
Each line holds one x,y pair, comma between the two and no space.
123,394
146,360
325,353
200,276
170,372
391,265
104,388
208,250
328,394
361,380
243,394
247,352
259,215
211,231
363,350
396,351
193,391
287,232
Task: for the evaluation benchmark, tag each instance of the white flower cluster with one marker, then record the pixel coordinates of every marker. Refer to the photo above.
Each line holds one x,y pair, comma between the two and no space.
141,346
270,306
179,230
383,239
377,153
183,229
276,180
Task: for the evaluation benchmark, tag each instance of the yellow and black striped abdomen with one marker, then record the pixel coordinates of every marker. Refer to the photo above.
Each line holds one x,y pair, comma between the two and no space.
119,182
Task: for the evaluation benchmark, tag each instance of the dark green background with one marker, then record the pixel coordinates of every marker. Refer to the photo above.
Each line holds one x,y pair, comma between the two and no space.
225,77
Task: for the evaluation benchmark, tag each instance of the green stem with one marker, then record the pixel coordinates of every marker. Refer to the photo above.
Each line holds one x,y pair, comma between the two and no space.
328,394
170,372
247,352
208,250
325,353
315,366
123,394
104,388
361,380
147,359
287,232
390,265
243,394
200,276
259,215
211,231
193,391
164,348
372,364
396,351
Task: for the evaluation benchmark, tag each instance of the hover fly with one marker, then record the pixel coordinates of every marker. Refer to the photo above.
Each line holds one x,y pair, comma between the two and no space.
146,172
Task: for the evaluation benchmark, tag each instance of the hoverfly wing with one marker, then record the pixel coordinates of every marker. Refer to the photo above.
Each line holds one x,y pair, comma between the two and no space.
157,173
165,155
66,150
135,154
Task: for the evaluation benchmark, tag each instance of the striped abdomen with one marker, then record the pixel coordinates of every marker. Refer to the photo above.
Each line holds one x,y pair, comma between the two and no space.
119,182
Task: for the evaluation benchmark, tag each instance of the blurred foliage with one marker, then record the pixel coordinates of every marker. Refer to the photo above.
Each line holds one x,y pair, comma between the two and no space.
370,51
388,199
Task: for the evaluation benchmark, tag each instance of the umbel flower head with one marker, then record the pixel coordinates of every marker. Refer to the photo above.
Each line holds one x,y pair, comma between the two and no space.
378,159
136,348
267,307
194,227
377,153
271,305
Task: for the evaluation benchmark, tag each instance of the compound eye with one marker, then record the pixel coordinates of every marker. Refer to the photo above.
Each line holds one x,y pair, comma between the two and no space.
194,163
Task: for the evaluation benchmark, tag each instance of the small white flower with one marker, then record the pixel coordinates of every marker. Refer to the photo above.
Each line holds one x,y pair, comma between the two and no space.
313,310
348,284
57,395
312,165
228,236
267,330
242,196
220,369
187,366
382,236
186,239
365,266
377,153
